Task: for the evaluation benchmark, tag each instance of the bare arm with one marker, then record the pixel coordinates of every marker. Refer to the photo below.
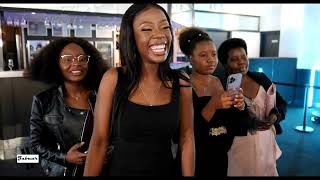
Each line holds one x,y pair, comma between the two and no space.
186,131
100,136
219,100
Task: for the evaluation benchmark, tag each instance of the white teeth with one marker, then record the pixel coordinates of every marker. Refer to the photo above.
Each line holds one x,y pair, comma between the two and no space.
155,47
158,50
75,72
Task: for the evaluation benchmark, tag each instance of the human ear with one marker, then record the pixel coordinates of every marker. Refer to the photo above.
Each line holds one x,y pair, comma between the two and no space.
190,59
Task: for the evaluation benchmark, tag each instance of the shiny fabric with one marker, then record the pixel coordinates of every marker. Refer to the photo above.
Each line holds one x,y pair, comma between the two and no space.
55,128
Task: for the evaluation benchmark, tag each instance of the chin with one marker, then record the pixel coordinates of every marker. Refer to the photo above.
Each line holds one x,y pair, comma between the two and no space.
76,79
158,59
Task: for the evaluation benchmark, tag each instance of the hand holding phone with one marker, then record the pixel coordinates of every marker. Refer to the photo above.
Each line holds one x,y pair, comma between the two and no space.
234,83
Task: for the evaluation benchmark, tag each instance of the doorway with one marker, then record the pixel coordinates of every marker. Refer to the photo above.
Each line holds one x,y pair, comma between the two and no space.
269,46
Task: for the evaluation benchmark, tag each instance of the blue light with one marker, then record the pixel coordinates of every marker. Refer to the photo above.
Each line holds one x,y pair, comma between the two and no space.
312,79
260,70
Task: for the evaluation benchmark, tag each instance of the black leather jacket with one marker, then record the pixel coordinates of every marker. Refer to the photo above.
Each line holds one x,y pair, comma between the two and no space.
55,128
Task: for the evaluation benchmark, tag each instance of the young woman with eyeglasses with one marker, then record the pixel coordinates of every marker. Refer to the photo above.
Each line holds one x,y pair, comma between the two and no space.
61,119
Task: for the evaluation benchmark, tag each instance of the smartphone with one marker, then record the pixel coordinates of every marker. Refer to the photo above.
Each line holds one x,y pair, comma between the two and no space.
234,83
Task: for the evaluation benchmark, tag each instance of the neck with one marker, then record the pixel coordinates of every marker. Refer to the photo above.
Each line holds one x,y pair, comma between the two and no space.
200,77
74,88
149,72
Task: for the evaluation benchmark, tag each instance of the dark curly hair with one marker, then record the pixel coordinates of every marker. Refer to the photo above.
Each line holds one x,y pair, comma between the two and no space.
129,53
230,44
45,65
189,37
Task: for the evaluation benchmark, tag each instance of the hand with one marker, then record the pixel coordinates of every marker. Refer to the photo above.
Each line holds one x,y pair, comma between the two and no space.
74,156
239,100
225,101
265,125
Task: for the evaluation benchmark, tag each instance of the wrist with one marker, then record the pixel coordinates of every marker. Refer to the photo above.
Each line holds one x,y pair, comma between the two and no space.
276,113
243,107
216,103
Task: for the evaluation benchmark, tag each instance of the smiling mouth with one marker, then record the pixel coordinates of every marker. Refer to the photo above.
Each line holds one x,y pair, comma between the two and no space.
158,49
76,72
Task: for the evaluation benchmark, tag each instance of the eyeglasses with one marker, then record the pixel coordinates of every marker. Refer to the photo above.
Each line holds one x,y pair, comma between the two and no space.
68,59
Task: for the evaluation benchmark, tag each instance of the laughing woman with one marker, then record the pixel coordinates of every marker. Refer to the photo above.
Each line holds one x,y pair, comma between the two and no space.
151,103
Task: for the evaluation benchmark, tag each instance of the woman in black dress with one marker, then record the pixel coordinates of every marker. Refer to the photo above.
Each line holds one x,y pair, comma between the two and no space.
151,103
215,111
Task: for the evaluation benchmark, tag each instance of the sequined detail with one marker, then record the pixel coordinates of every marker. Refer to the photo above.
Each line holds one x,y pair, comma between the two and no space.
217,131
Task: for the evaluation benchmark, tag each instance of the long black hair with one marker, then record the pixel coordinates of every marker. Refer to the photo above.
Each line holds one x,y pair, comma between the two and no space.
45,65
129,53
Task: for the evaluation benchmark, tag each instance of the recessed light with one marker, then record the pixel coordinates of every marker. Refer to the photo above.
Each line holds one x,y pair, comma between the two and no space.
33,12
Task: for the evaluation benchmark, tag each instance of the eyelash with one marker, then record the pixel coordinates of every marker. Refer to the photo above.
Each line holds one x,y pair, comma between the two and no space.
149,29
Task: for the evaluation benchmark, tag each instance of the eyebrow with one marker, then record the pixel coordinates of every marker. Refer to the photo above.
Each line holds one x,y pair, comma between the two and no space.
148,22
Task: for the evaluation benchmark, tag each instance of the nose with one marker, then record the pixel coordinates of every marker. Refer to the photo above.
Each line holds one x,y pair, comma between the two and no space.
211,59
242,61
75,61
158,34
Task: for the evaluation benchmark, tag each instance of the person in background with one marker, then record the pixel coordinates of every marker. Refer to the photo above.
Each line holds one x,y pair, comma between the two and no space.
152,105
62,116
256,153
216,113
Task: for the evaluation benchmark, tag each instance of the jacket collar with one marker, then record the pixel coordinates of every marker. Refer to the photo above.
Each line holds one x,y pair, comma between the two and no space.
92,97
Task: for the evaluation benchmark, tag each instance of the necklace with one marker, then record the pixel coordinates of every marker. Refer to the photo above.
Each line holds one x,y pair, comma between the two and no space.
146,97
77,97
204,85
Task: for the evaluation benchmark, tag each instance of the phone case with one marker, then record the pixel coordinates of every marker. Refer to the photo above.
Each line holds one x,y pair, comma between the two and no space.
233,83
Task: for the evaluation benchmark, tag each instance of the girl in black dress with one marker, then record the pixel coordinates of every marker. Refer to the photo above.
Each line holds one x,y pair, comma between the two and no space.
215,111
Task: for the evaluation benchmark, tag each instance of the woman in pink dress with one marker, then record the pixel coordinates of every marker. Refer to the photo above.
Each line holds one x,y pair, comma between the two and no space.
255,154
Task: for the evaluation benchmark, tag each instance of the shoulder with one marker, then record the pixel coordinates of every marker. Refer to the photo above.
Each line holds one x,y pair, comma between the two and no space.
46,97
48,93
261,79
110,79
110,75
258,75
184,78
215,80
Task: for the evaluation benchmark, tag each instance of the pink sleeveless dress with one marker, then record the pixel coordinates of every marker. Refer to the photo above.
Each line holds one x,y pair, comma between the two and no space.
255,154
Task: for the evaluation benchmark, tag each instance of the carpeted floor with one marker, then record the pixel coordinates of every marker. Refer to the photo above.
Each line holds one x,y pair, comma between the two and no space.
300,150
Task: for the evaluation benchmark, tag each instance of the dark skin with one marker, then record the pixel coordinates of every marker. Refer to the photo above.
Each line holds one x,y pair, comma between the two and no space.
238,62
153,38
204,61
73,74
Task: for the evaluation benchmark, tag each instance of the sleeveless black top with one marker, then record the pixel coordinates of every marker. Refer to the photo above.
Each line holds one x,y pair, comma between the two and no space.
212,139
144,134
